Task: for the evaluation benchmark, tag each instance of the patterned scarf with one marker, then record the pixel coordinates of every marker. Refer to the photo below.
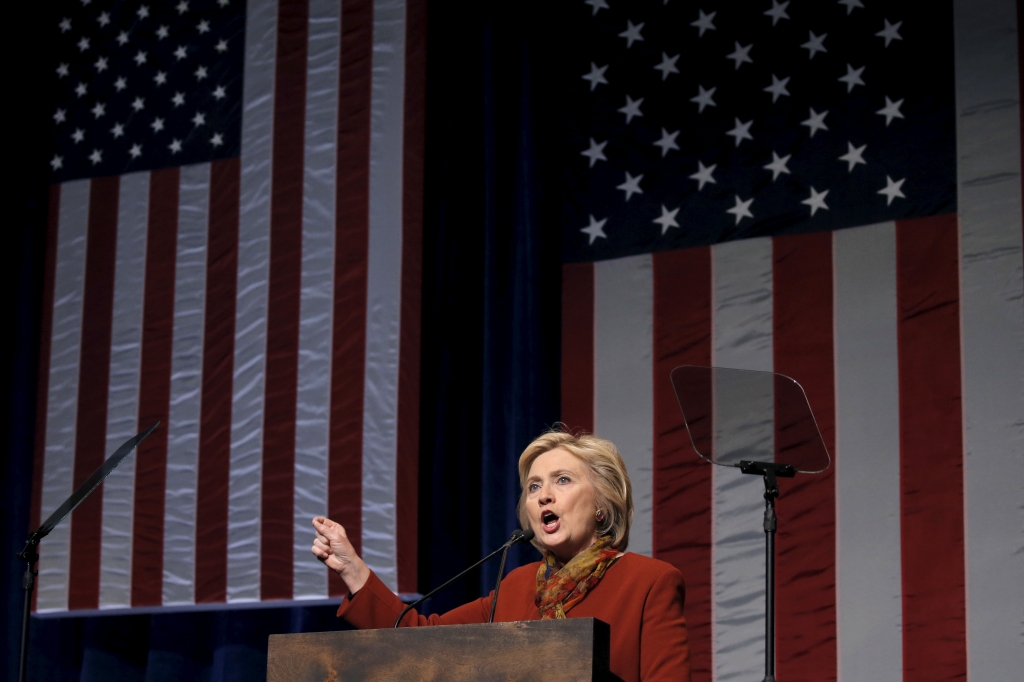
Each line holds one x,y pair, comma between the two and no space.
559,589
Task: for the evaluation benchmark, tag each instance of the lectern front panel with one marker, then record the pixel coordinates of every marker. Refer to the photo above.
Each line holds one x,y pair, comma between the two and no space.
571,650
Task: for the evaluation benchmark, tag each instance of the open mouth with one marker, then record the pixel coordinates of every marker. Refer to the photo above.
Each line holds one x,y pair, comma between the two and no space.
549,520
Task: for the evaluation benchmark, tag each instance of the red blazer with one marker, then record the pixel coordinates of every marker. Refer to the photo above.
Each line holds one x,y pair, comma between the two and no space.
639,597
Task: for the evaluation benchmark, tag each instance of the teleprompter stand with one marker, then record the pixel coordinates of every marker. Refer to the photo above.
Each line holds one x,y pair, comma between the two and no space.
762,424
30,555
769,471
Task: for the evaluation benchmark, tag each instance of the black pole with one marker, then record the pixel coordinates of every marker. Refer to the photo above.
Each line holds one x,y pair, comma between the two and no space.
28,584
769,586
497,585
769,471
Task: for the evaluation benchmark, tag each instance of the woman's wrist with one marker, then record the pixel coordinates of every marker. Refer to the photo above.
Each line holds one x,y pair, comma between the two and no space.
355,576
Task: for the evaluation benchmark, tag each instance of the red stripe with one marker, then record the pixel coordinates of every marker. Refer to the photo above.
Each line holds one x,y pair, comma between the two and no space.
155,387
407,484
284,288
578,346
682,491
805,559
931,449
45,338
218,363
345,469
93,387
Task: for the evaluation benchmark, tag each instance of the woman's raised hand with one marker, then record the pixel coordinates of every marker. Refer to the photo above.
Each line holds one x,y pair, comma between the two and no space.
332,547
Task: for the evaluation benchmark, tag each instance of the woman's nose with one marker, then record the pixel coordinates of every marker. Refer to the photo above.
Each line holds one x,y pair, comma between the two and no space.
544,496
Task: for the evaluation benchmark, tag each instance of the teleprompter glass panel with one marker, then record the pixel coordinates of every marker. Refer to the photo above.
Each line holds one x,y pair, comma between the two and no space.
735,415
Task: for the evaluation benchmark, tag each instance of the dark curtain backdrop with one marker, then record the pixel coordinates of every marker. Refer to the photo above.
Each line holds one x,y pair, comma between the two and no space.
21,260
490,377
491,284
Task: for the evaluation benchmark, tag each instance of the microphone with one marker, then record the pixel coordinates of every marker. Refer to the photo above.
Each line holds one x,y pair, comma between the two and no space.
517,536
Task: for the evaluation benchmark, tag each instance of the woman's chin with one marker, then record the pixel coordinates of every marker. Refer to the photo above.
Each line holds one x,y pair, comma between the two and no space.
558,546
547,544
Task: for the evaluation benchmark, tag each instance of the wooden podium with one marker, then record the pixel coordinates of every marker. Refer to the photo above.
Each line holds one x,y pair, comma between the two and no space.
571,650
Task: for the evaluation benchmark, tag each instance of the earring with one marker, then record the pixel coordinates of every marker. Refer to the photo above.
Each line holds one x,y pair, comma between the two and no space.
599,515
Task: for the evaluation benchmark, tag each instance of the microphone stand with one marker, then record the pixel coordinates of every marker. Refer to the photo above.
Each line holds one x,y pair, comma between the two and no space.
30,555
517,536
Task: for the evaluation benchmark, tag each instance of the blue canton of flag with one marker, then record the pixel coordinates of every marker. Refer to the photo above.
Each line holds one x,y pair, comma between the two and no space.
146,85
697,123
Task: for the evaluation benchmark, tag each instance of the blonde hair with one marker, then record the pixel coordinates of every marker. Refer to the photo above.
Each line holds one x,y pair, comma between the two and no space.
607,473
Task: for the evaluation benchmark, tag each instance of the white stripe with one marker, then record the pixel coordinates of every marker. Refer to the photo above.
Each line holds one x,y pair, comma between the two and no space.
992,323
383,295
243,579
742,339
869,590
623,376
62,394
186,386
123,399
313,390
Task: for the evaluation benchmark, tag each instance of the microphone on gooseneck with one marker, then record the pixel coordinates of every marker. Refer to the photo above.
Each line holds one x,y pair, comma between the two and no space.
517,536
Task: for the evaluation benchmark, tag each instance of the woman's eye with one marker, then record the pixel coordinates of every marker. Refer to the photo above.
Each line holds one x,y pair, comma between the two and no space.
563,479
533,487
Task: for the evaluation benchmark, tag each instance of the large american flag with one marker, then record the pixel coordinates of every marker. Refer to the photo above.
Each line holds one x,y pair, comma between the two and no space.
233,250
750,132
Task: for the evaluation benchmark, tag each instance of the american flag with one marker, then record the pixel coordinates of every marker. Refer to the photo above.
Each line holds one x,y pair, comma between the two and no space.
233,250
698,124
750,133
145,86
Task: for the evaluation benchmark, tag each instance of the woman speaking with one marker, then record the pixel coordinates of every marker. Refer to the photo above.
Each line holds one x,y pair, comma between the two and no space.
577,498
